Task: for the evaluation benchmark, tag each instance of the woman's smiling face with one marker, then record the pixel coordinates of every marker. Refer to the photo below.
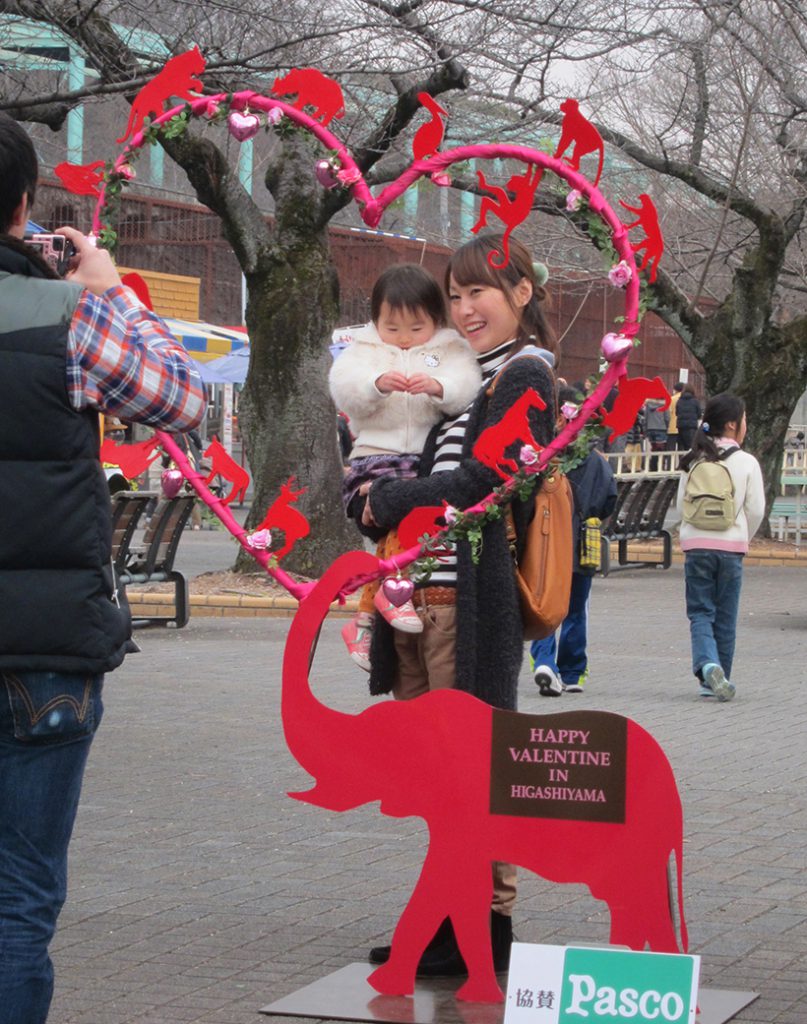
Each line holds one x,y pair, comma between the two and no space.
483,314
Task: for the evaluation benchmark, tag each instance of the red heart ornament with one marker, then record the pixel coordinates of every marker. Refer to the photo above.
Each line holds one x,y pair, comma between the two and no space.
171,482
398,590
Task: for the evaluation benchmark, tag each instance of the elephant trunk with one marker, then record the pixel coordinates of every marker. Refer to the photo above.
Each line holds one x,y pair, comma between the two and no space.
322,740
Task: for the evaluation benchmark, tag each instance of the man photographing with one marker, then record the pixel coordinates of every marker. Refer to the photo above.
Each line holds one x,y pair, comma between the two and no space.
69,349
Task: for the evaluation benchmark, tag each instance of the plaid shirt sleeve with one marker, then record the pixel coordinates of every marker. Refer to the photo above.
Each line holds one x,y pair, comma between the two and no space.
122,360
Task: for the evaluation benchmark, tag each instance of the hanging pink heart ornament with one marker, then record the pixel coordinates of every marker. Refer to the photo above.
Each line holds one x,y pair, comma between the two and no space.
243,126
398,590
171,482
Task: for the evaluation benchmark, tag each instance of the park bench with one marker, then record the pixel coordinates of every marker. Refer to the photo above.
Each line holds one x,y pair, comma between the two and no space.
642,505
153,560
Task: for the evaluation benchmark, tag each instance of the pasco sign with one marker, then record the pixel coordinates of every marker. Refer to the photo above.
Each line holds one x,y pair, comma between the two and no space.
579,985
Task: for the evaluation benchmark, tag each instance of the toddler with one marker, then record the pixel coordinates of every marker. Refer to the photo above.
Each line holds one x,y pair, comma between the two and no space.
399,376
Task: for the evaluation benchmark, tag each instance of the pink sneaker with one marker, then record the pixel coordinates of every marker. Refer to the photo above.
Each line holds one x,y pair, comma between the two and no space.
357,637
402,617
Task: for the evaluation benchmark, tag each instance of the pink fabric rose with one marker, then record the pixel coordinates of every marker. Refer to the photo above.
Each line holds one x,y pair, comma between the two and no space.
620,274
528,455
569,410
348,176
441,179
274,115
574,200
260,540
450,515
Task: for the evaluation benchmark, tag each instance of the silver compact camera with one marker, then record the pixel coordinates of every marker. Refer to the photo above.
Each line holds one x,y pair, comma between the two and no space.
55,250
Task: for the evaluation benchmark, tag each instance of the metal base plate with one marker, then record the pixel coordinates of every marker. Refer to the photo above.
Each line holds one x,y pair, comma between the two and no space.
346,995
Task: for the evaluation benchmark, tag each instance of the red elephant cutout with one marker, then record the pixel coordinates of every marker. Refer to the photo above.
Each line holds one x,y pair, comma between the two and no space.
434,758
633,393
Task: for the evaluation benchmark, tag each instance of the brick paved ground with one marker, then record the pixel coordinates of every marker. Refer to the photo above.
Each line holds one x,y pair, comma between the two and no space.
199,892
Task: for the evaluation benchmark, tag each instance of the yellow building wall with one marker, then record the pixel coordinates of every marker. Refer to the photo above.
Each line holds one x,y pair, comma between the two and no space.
171,294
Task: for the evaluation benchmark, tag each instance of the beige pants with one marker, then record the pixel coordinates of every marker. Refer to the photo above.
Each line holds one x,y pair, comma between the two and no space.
427,661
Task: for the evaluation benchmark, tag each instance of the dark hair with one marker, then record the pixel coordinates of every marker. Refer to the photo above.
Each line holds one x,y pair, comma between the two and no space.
688,389
408,286
720,410
678,387
19,169
568,394
469,265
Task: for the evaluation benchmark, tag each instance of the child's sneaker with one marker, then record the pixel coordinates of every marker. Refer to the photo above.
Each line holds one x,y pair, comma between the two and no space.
576,687
714,679
357,636
402,617
547,682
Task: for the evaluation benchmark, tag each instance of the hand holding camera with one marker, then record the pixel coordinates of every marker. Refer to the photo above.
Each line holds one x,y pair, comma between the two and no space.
89,266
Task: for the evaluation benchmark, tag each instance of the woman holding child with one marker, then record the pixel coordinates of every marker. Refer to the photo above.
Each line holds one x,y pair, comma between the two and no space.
472,636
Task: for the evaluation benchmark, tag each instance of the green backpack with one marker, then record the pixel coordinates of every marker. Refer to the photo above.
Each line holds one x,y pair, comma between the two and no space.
709,495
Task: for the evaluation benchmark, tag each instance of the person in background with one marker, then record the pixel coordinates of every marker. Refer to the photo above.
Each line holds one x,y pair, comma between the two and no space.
69,349
561,661
672,426
713,567
688,414
634,442
656,419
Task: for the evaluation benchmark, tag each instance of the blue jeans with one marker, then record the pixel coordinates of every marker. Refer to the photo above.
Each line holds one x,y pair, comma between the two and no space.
47,722
567,656
713,582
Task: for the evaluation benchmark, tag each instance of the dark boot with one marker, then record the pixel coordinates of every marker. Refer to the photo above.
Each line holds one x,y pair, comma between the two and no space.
446,961
445,933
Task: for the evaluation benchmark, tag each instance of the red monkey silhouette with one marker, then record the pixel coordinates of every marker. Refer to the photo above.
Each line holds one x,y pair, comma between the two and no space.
431,758
510,211
81,179
177,78
513,426
281,516
221,464
578,131
632,395
652,243
313,89
429,136
132,459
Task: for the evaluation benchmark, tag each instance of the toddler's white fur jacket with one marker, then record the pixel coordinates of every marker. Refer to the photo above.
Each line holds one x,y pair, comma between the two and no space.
399,422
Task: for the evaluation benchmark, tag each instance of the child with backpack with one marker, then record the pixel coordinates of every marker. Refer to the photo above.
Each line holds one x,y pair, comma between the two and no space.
561,664
722,500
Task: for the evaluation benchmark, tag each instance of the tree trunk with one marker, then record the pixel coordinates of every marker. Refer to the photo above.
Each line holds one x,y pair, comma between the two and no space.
286,415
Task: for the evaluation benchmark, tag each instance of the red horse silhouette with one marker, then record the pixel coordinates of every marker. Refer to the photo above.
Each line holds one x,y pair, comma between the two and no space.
221,464
429,136
510,211
133,459
632,395
81,179
653,242
432,758
513,426
313,89
281,516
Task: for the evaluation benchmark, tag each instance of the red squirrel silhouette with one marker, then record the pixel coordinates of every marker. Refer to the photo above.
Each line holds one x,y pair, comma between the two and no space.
178,78
510,211
512,427
313,89
579,132
653,242
432,758
632,395
429,136
223,465
81,179
281,516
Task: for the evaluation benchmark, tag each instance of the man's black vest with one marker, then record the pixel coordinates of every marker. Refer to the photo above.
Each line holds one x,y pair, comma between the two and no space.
59,608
